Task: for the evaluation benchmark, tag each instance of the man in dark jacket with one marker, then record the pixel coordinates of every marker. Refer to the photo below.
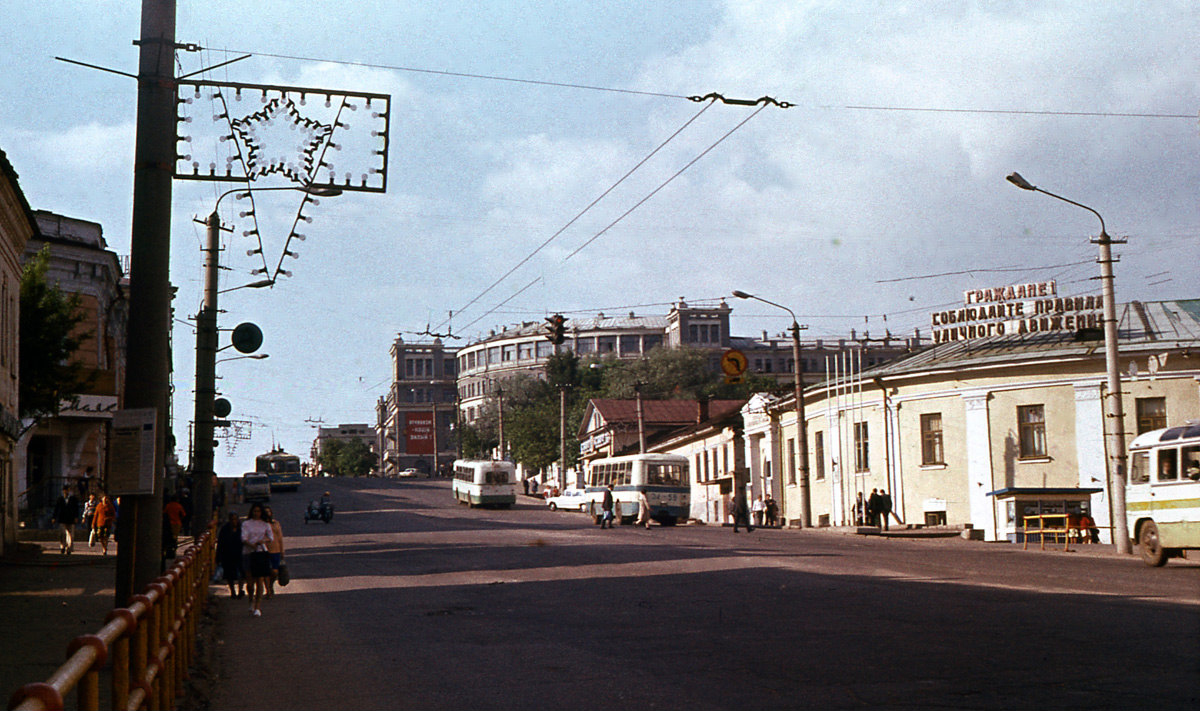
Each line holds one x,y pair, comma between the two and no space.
66,515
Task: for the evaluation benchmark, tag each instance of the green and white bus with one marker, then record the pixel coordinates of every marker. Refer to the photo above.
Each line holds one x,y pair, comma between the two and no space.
485,483
1162,497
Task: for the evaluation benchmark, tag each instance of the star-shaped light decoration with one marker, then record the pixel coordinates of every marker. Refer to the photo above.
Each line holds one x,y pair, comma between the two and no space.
279,140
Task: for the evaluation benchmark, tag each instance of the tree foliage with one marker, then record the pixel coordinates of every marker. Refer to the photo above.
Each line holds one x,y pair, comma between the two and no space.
531,405
346,458
49,341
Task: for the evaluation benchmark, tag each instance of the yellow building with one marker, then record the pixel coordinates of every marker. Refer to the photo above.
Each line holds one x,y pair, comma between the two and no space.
962,432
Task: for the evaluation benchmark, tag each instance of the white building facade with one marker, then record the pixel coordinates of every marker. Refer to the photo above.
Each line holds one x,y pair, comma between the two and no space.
959,434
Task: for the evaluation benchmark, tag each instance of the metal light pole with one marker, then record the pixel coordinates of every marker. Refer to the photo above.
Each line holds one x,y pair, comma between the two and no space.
1114,413
207,336
801,424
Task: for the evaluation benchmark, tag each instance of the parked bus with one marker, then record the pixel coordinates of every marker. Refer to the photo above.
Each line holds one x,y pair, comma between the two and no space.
282,468
485,483
1162,498
664,478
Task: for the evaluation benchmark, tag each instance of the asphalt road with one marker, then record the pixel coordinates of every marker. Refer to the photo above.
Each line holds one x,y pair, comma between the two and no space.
409,600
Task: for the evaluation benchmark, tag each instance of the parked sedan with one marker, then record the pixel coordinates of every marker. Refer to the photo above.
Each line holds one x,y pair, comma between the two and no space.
569,500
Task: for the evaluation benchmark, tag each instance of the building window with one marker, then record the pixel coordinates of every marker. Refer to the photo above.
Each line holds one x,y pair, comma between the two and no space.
525,351
545,349
931,439
862,460
493,355
1031,423
791,461
607,344
650,341
819,455
1151,414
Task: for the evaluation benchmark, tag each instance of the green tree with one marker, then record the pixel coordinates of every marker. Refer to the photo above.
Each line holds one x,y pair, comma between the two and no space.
346,458
49,340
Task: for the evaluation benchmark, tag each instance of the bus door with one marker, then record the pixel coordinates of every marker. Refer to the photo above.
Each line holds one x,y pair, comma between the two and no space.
1165,475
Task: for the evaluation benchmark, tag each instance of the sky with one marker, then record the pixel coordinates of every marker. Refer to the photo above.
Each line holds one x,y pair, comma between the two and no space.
875,198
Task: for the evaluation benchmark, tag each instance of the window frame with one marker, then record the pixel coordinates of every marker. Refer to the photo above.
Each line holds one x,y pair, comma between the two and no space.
1031,433
933,446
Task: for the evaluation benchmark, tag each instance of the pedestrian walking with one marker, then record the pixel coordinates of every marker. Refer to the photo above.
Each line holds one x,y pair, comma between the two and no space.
606,508
643,518
175,515
89,513
885,509
759,510
741,512
229,555
103,521
772,511
859,512
256,534
66,515
274,547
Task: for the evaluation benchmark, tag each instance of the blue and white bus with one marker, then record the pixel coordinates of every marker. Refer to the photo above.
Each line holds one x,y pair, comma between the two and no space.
664,478
485,482
282,468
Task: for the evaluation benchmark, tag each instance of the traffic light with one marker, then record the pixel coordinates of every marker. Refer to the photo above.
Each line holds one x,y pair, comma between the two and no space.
555,329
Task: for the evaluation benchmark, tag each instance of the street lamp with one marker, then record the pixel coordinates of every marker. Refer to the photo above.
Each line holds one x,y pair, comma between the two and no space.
206,355
1114,415
255,356
801,425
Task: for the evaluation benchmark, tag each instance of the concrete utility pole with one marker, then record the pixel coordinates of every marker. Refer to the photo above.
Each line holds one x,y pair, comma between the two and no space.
147,375
1114,411
206,380
562,435
641,420
500,418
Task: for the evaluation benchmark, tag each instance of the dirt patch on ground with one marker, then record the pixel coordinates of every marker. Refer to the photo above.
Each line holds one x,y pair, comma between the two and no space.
205,671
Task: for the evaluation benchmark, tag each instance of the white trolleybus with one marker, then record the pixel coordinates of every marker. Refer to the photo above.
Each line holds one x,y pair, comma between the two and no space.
1162,498
664,478
485,483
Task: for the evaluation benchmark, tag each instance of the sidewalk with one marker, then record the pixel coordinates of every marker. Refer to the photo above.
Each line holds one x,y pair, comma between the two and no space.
46,600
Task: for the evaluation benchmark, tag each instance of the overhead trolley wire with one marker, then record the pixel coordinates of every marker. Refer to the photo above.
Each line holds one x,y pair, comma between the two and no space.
666,182
581,213
465,75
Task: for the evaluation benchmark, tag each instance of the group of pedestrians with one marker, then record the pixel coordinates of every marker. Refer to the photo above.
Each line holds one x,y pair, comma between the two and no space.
879,508
98,515
250,555
609,512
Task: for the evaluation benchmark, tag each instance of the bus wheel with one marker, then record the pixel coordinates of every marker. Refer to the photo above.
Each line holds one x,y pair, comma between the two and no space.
1152,551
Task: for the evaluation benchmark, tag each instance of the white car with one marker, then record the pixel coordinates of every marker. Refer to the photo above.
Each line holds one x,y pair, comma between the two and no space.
407,473
569,500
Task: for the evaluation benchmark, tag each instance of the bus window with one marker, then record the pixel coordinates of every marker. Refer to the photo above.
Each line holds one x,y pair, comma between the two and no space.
665,474
624,473
1191,462
1168,465
1139,468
